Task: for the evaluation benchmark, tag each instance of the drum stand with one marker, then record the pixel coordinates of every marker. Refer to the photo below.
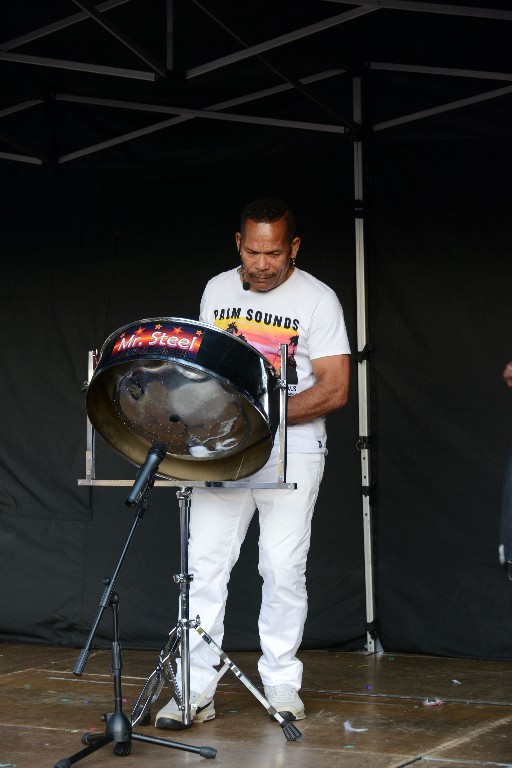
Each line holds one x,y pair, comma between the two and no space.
178,638
178,642
118,726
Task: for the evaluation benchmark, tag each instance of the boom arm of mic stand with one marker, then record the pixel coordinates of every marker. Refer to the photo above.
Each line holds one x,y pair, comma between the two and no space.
110,584
85,653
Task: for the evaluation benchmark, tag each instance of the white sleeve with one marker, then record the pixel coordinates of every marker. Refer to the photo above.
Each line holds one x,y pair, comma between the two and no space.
327,331
204,306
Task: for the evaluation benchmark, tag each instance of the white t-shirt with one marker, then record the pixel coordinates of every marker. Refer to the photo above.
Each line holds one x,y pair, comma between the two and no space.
301,312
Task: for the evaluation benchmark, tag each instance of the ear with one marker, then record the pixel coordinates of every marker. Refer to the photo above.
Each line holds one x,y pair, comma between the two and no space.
295,246
238,241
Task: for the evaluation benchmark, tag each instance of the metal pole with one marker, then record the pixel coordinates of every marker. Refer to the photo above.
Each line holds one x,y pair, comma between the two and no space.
363,443
90,458
170,35
184,578
283,410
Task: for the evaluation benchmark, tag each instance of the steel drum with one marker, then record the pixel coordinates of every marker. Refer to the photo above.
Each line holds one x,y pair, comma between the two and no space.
210,397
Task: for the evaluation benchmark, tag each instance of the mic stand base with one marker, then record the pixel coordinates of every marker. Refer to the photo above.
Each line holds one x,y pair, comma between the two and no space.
118,728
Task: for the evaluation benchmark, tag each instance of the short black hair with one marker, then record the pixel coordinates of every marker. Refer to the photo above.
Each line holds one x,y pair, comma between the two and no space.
267,210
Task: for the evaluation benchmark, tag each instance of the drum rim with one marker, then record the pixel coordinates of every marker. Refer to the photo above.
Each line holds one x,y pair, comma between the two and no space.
189,321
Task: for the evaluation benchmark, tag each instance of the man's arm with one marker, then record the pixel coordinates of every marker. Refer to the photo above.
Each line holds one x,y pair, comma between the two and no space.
328,393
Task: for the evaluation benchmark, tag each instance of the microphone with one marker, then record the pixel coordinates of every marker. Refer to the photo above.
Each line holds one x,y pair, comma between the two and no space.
146,473
245,284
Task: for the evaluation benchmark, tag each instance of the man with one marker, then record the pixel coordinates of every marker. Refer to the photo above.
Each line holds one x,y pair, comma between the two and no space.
273,303
507,374
505,549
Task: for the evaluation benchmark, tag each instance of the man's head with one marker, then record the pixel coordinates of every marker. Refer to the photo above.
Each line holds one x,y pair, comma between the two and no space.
267,244
267,210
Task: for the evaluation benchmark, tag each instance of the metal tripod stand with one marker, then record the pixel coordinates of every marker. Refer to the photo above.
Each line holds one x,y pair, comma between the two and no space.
177,643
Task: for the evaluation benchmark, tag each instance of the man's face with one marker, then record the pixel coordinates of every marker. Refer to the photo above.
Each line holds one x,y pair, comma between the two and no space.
266,253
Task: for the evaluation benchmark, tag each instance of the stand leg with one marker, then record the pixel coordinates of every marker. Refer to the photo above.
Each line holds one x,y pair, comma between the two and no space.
291,732
68,761
153,686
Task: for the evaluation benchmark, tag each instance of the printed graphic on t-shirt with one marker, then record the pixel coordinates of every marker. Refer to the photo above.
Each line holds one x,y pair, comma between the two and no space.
266,332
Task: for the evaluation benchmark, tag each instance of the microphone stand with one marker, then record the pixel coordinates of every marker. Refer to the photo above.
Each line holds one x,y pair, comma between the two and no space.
118,727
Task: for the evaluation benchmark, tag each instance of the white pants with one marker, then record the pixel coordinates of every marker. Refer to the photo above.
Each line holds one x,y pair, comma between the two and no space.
219,519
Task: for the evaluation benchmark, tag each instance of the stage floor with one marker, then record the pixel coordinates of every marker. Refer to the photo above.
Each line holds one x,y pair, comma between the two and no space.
380,711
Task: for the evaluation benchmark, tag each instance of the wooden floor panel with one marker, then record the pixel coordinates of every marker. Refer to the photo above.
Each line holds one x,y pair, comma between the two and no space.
379,711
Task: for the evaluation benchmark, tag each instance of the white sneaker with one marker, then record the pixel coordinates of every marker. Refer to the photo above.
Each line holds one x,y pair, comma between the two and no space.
171,716
286,700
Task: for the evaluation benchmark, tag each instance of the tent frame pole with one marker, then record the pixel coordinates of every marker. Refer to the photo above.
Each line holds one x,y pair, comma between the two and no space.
363,349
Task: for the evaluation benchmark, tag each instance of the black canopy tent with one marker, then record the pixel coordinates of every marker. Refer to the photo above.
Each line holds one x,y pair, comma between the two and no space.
376,74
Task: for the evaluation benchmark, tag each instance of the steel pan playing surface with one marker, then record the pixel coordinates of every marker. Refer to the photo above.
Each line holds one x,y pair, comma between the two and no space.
210,397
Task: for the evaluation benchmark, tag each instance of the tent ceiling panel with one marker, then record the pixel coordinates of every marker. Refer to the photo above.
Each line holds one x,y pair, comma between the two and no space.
421,59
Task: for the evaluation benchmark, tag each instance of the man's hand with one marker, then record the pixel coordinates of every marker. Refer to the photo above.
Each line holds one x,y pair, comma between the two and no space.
507,374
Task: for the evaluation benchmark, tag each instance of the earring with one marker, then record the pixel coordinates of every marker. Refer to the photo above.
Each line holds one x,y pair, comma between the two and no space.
292,262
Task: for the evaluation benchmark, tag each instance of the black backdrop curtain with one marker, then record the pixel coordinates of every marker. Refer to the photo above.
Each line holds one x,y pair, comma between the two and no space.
441,274
86,250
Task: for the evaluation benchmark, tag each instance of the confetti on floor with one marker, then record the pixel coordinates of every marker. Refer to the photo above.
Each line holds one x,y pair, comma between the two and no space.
349,727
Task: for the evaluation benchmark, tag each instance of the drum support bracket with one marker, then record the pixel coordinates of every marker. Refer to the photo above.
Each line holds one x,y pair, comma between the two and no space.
282,383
